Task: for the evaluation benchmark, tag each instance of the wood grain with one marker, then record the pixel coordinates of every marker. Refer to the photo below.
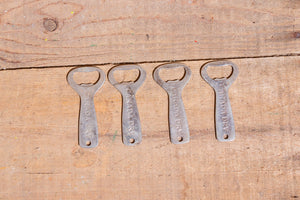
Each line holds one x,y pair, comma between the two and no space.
101,31
40,158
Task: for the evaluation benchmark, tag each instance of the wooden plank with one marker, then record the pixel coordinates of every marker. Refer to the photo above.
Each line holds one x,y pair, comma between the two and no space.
40,158
97,32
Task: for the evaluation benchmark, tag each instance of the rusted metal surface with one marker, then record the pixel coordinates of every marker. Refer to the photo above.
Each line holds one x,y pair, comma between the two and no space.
225,130
131,126
178,124
88,129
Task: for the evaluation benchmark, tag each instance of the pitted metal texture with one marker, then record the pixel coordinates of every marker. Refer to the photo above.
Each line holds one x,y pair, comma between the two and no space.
224,124
178,124
131,126
88,128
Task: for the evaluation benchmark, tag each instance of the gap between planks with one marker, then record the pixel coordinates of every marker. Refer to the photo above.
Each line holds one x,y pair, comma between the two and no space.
156,61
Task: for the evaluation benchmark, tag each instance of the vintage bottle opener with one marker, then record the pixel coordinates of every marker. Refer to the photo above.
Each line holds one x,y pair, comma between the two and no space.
178,124
225,130
88,129
131,127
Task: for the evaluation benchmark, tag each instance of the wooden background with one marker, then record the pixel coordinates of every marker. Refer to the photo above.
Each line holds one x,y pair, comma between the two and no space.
39,155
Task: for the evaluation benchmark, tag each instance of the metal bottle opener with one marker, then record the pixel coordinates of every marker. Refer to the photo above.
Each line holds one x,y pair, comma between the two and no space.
225,130
178,125
88,129
131,126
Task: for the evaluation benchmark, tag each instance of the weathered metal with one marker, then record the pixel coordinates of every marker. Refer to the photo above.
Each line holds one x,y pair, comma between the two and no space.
88,129
131,126
225,130
178,124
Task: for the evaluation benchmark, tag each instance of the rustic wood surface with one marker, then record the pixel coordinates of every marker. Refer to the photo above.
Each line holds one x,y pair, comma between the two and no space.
40,41
102,31
40,158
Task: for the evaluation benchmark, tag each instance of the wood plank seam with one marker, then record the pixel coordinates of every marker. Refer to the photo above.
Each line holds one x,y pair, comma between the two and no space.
156,61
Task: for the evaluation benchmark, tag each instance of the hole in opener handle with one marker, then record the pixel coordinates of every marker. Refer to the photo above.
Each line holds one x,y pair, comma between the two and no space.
178,124
225,129
88,128
131,126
